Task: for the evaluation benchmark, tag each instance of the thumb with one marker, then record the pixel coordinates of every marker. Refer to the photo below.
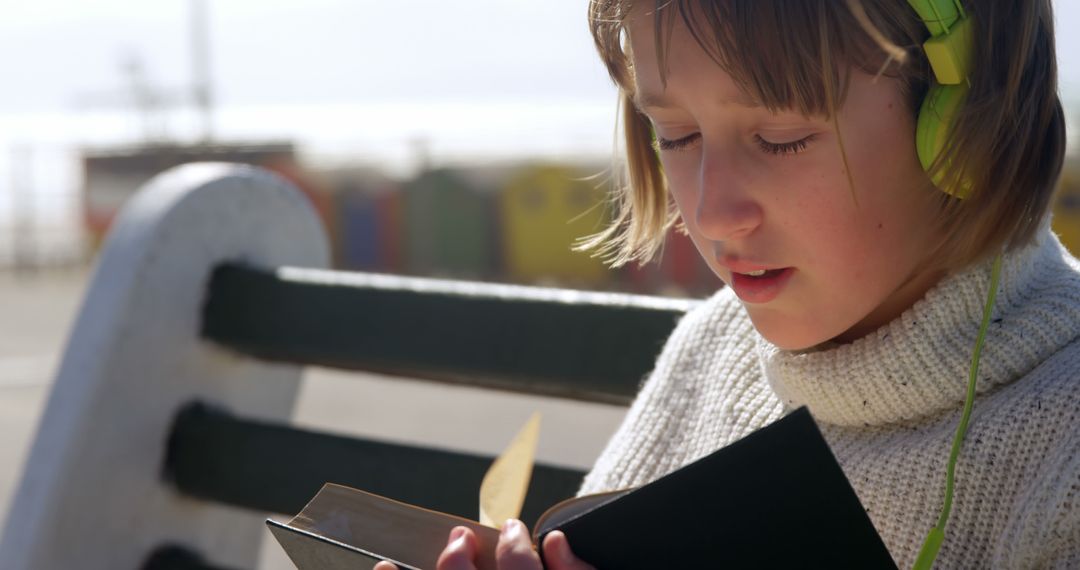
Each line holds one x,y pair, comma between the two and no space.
460,552
559,556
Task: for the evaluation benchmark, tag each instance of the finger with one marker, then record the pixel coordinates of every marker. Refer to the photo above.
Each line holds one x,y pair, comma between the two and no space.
384,565
460,551
558,554
514,551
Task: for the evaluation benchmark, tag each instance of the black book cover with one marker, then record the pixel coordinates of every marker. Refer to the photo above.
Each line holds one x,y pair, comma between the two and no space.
775,499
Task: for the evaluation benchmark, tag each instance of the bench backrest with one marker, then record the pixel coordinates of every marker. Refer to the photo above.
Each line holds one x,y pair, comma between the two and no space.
171,405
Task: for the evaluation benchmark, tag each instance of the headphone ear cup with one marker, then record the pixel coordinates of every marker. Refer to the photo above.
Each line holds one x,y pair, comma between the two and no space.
936,118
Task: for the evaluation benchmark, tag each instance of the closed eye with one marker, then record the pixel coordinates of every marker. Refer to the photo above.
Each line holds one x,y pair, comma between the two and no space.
677,144
792,147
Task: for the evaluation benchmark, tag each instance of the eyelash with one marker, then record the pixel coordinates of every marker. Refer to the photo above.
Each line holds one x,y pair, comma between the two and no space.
793,147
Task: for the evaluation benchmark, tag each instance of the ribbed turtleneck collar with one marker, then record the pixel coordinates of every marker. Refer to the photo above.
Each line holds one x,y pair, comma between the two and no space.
918,364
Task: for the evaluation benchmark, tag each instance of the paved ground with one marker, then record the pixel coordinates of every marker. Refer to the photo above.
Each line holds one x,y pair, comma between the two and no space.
36,311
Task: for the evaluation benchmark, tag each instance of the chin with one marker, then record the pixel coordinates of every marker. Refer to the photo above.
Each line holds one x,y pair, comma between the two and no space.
783,342
786,335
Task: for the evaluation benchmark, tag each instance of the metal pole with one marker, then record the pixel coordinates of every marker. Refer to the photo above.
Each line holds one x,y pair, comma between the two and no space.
200,47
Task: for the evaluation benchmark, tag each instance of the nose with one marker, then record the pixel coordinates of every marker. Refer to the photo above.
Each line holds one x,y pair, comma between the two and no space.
726,209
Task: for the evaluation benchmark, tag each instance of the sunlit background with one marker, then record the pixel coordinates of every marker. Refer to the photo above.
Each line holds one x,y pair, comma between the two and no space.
353,99
344,92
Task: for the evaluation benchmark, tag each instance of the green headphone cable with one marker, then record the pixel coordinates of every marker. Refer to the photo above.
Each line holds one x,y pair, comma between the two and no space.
937,534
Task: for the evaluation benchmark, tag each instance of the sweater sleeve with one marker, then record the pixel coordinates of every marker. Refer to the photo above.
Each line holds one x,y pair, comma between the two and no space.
1049,528
1061,549
1064,560
631,456
1063,529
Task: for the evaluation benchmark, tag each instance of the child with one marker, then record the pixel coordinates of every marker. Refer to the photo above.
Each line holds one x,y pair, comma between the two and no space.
785,138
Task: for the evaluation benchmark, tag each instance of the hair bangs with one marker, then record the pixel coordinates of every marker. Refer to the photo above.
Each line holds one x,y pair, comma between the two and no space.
800,48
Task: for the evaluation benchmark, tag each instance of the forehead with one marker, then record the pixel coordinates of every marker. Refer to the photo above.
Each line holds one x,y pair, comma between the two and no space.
680,66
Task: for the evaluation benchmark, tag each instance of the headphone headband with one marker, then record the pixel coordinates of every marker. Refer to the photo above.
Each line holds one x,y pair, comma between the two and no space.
952,43
938,15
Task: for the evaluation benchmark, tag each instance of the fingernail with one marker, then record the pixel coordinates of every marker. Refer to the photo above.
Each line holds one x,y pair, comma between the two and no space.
510,529
456,533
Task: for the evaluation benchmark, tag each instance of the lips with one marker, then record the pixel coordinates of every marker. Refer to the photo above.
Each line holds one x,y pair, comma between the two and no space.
763,288
745,267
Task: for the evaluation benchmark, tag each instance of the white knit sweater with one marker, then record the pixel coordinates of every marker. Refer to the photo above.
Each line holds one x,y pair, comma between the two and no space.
888,405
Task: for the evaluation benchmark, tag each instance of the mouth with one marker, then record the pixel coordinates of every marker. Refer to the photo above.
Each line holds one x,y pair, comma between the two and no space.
760,285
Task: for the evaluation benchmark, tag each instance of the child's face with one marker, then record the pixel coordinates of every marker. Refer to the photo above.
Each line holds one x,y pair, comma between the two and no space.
758,190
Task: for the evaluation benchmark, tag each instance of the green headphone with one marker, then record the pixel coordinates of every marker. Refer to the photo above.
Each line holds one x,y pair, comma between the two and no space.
950,51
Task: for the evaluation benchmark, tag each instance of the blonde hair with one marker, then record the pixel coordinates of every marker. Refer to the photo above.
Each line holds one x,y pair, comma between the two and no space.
1008,140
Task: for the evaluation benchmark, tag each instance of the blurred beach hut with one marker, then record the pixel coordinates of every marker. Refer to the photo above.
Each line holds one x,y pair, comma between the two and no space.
367,214
545,209
449,225
677,270
685,269
1066,221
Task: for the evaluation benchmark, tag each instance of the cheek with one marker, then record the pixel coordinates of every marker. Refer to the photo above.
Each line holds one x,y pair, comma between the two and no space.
885,163
684,192
834,237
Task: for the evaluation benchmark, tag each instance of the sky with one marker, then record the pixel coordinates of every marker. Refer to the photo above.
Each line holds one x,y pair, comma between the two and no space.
313,51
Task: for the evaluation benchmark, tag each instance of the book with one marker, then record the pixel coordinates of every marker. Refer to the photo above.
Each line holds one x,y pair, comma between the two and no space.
776,498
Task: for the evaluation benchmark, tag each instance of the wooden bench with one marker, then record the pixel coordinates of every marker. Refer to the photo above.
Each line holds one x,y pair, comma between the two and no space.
166,439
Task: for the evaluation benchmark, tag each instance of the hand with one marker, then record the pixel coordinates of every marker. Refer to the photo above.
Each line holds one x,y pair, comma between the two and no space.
514,551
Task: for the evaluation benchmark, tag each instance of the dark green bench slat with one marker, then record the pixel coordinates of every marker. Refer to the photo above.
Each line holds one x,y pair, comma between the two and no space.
582,345
267,467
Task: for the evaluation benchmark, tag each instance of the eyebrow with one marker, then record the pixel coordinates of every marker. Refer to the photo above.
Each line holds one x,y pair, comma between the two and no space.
645,100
